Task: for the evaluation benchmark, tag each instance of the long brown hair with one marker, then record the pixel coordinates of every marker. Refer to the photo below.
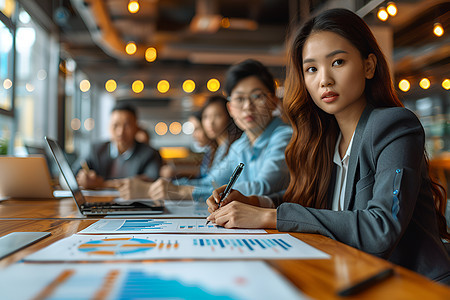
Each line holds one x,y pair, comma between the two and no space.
233,132
309,155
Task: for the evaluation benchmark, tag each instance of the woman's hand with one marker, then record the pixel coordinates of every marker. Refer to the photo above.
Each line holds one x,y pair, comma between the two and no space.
163,189
132,188
214,200
240,215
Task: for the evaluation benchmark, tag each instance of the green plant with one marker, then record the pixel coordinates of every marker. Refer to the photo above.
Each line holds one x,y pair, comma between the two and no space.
4,146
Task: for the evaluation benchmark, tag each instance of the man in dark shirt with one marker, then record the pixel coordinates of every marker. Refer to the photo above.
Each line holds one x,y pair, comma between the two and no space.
122,156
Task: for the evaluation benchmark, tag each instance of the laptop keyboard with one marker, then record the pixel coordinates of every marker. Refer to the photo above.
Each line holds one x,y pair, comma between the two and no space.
101,208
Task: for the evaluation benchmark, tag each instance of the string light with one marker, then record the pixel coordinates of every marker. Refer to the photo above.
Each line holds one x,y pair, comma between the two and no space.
225,23
75,124
110,85
161,128
188,86
130,48
404,85
391,9
133,6
382,14
7,84
137,86
150,54
446,84
163,86
85,85
175,128
438,30
213,85
424,83
29,87
89,124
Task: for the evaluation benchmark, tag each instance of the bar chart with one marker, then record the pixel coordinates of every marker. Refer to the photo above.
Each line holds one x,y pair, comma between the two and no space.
132,226
176,246
168,280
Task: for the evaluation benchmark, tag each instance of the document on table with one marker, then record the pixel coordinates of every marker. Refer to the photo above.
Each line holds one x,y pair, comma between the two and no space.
160,225
167,280
176,246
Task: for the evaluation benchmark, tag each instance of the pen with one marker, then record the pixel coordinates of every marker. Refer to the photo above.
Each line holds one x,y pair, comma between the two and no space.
84,165
230,184
366,283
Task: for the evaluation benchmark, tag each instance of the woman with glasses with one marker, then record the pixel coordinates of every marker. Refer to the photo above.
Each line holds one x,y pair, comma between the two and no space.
251,103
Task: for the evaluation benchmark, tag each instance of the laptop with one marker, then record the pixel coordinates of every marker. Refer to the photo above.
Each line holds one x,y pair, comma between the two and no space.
98,208
25,177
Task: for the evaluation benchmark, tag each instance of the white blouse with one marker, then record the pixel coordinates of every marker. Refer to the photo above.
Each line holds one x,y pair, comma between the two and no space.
341,174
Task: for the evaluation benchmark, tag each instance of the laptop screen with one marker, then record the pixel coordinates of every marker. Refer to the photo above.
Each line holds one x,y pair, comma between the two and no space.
66,171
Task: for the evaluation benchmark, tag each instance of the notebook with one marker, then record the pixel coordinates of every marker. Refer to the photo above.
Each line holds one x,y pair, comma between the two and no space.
98,208
25,177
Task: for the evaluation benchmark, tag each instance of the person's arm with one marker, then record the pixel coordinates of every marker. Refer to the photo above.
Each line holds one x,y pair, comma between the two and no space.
239,211
395,146
271,172
87,176
240,215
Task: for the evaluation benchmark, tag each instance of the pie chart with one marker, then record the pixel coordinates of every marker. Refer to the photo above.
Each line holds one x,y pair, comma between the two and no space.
116,246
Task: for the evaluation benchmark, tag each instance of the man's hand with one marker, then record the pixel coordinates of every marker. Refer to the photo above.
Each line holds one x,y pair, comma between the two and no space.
132,188
89,179
163,189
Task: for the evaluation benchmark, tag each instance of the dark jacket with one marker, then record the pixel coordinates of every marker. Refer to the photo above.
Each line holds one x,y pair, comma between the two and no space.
143,161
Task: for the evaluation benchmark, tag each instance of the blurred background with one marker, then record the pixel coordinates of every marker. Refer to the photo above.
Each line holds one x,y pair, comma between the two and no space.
65,63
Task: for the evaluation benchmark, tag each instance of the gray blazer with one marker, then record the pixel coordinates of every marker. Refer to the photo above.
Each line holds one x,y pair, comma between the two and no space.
389,210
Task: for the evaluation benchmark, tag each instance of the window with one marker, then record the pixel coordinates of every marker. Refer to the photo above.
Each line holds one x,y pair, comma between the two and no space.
32,91
6,59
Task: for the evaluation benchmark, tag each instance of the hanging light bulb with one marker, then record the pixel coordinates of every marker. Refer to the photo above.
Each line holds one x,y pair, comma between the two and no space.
391,9
382,14
130,48
404,85
150,54
424,83
438,30
213,85
133,6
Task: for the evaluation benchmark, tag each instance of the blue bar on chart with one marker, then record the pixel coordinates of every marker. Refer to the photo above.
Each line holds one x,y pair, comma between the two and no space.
242,244
247,244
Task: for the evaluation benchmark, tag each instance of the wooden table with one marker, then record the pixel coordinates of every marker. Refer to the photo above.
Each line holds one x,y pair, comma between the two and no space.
319,279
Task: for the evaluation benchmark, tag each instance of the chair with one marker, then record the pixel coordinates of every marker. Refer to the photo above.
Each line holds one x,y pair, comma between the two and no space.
439,170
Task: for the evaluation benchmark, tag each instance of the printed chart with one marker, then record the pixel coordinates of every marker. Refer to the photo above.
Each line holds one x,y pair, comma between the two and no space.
176,246
160,225
169,280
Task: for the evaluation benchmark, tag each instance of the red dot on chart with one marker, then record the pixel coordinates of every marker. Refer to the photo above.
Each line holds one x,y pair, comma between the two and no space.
240,281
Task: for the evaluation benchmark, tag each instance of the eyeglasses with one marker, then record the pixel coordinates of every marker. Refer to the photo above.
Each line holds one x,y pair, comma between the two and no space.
255,98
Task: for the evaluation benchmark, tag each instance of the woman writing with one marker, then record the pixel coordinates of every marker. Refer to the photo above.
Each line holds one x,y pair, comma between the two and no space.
356,158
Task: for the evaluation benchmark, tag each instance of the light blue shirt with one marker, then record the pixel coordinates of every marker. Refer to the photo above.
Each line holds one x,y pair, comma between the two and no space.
265,170
218,156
